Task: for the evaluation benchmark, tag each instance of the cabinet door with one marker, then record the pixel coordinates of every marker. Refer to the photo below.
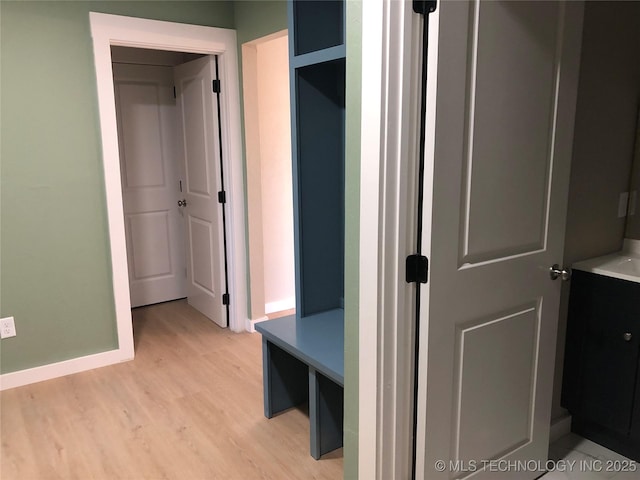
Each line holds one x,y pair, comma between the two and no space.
635,426
603,310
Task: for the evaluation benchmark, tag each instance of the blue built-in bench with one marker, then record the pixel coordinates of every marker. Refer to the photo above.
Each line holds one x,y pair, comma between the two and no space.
303,360
303,355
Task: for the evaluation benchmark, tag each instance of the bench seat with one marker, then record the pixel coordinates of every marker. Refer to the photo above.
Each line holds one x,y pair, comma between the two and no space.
303,360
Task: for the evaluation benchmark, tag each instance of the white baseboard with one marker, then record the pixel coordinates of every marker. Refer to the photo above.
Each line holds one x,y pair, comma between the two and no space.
560,427
251,323
280,305
61,369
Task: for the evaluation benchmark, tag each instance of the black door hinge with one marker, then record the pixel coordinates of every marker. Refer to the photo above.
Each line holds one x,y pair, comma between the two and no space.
225,299
417,269
174,92
222,197
424,7
216,86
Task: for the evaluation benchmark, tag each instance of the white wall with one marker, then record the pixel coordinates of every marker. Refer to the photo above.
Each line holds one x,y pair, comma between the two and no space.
269,179
605,128
254,180
275,156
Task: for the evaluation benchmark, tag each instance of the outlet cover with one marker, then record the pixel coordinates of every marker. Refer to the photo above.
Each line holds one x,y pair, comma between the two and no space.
7,327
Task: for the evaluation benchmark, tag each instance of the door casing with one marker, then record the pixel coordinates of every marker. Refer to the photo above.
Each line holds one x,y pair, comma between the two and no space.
386,235
108,30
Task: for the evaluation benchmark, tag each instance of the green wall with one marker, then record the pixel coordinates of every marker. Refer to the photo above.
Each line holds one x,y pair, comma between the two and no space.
54,267
255,19
352,234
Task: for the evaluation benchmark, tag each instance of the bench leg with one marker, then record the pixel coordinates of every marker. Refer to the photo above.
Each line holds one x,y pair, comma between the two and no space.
284,379
326,414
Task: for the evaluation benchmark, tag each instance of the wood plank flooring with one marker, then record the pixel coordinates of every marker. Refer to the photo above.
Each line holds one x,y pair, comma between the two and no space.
188,407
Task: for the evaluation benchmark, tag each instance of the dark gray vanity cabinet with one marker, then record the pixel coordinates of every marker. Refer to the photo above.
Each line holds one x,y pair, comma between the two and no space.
601,382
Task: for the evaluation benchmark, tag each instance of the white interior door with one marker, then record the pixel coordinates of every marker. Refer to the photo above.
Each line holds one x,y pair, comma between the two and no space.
153,225
200,154
504,113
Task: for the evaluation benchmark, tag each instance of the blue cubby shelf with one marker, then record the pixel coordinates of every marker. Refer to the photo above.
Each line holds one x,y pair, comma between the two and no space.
303,354
317,340
318,168
319,56
315,25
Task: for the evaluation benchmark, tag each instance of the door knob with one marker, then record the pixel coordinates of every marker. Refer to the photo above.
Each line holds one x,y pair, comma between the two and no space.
182,203
627,337
556,271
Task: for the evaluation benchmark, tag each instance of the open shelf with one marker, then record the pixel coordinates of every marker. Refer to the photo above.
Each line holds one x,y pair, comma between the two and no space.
318,25
317,340
319,178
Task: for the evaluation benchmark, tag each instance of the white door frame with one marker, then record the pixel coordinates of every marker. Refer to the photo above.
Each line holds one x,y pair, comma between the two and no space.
390,98
108,30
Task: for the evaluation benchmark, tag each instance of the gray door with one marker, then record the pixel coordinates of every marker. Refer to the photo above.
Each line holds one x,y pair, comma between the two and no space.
504,113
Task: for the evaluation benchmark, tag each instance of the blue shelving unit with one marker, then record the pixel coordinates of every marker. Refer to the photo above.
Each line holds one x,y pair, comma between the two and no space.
317,75
303,355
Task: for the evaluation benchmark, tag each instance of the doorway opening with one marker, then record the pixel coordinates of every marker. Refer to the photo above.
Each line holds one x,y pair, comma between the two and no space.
265,65
170,159
154,224
114,30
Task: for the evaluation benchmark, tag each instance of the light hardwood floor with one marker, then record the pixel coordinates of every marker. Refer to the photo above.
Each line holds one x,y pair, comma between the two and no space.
188,407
